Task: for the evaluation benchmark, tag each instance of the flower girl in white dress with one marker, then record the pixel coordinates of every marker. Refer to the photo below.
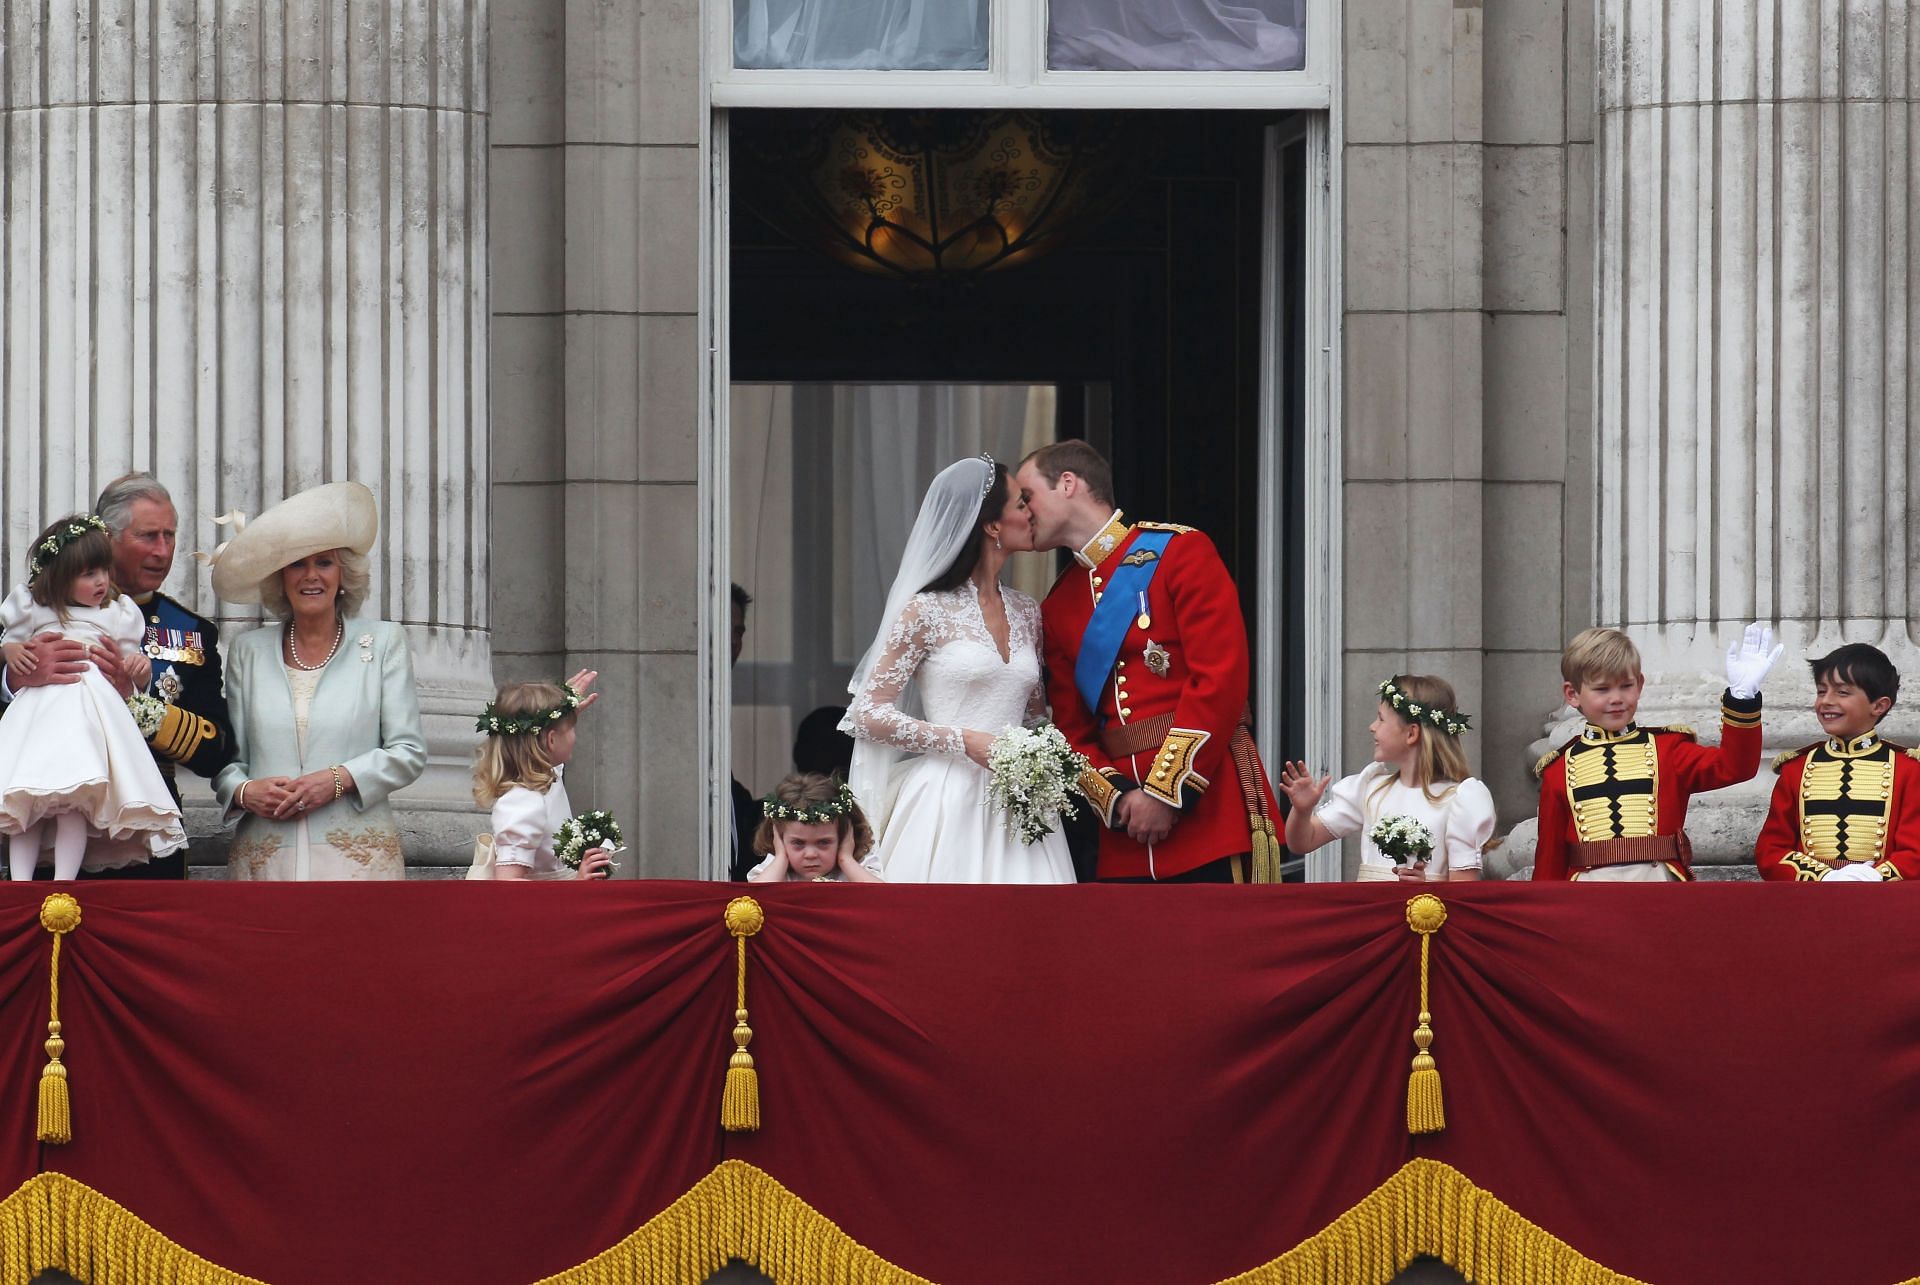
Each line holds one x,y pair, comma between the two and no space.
956,662
531,728
74,767
1419,771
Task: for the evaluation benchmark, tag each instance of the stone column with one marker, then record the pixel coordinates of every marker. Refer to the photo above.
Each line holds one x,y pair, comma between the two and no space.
1753,379
245,248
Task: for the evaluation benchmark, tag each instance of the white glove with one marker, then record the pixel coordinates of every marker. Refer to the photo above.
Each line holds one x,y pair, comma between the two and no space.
1749,659
1854,872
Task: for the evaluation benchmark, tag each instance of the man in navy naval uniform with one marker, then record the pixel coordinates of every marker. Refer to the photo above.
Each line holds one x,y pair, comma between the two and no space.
197,732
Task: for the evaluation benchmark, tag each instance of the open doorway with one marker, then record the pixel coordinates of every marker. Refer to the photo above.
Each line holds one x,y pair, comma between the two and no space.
1164,327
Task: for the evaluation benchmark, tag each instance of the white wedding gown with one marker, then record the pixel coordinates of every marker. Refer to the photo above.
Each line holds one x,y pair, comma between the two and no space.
940,827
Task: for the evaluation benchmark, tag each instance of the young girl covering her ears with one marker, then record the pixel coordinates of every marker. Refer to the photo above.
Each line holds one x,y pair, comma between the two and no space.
812,830
1418,771
530,730
75,771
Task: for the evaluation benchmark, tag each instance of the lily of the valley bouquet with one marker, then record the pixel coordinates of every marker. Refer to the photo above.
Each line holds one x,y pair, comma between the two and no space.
1402,839
1035,776
148,712
579,835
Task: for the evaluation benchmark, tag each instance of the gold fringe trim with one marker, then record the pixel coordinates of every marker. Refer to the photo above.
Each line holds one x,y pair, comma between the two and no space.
1431,1210
738,1211
59,1223
1425,1210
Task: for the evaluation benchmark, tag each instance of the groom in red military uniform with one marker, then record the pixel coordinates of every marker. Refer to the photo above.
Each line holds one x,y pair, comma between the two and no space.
1146,657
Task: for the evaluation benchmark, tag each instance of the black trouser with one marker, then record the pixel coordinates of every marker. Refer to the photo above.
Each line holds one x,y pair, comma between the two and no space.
1218,871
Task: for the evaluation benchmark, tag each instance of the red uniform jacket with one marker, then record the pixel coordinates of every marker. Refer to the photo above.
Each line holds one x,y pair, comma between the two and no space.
1685,768
1189,662
1873,806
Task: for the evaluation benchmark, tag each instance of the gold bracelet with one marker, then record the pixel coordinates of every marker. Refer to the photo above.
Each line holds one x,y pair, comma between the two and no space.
338,788
240,796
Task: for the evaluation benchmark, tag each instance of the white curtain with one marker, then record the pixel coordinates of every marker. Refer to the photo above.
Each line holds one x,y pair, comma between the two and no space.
871,35
887,442
1176,35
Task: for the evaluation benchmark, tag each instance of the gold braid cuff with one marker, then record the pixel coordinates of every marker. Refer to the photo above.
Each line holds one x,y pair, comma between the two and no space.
181,734
1172,779
1805,869
1101,791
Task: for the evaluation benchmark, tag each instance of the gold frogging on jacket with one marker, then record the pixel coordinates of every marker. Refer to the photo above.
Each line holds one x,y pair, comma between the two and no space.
1613,787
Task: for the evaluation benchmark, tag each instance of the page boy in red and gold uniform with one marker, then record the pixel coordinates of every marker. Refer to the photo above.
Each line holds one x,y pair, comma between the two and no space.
1147,667
1846,809
1613,800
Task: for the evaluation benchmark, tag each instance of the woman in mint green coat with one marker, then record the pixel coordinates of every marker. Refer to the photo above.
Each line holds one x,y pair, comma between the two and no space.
326,717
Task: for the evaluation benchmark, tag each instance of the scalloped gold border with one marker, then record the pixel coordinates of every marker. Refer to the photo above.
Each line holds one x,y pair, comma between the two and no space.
1426,1209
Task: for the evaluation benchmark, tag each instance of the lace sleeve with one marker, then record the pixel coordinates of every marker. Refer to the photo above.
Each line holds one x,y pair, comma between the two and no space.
875,714
1028,635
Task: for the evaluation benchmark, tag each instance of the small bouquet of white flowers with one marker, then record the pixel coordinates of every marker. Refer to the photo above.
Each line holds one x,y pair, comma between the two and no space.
148,712
579,835
1403,839
1035,775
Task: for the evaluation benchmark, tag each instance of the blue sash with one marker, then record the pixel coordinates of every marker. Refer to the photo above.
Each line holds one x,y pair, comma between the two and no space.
1113,615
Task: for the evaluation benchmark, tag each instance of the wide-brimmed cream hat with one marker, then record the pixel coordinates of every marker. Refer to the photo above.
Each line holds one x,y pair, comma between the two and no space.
338,515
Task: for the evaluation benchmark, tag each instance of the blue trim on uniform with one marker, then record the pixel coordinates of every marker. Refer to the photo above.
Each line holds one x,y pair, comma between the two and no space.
1112,617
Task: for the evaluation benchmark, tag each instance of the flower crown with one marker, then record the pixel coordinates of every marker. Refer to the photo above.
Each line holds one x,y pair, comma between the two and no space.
48,549
494,723
810,813
1450,721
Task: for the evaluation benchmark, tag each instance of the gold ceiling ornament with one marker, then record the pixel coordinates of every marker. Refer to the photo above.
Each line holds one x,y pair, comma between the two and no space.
922,195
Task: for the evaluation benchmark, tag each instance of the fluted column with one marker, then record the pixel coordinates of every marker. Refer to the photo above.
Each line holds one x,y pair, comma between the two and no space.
245,248
1754,379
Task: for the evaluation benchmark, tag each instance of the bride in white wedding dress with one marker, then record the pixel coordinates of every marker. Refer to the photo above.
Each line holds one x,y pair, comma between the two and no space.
956,663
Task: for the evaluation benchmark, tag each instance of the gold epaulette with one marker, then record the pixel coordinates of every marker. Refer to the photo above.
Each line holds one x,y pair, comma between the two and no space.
1175,527
1678,729
1540,765
1781,760
1898,748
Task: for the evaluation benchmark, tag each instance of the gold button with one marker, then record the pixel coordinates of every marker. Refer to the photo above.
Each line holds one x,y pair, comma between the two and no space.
1097,582
1126,713
1123,664
1096,597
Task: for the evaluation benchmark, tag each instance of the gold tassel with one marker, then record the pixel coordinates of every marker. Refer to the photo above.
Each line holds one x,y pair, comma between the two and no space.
59,915
740,1101
1426,1113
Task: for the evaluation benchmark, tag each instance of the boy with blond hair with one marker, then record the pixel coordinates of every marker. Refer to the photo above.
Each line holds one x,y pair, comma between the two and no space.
1613,800
1846,809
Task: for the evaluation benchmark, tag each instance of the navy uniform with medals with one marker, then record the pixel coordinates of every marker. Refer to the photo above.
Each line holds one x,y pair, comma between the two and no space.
197,732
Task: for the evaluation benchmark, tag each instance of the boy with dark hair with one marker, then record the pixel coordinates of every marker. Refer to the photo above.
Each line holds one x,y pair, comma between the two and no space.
1846,809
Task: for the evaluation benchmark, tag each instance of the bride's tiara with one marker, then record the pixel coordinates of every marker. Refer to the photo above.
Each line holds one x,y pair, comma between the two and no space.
986,487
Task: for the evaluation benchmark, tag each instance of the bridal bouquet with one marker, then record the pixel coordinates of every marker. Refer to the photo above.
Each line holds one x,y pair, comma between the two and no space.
148,712
1402,838
578,835
1035,774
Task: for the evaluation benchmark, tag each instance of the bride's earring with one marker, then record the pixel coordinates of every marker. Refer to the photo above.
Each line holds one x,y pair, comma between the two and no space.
996,539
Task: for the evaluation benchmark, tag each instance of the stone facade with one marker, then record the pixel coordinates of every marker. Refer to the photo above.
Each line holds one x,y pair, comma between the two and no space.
252,253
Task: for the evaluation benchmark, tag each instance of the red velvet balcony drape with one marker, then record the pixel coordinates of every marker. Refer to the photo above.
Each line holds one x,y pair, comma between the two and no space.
495,1083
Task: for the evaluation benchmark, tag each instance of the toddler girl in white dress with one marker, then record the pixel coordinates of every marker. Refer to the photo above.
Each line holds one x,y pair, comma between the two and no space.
1418,771
74,767
531,729
812,830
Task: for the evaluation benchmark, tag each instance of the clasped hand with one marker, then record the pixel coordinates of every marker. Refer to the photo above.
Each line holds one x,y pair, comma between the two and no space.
281,798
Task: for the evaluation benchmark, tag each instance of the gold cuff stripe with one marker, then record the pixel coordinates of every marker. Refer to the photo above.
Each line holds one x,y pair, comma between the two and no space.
180,733
1739,717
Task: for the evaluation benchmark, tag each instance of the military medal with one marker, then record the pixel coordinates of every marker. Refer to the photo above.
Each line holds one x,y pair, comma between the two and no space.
169,686
1158,659
1144,620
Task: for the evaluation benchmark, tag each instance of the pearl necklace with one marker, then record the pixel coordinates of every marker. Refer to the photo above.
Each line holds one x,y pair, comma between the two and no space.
293,645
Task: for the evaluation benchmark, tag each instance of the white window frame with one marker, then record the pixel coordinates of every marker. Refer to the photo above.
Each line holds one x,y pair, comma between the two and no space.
1016,79
1017,75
